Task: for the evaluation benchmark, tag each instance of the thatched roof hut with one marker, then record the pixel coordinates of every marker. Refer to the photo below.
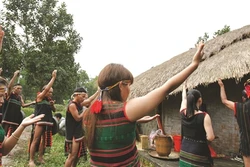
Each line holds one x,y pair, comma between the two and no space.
226,56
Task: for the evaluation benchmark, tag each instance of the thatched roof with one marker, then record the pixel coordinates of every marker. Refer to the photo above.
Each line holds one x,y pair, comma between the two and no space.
226,56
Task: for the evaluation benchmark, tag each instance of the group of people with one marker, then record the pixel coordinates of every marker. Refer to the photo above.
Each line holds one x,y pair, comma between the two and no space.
8,143
110,119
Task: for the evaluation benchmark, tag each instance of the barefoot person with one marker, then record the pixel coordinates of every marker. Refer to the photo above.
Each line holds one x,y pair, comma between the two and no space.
12,111
7,144
242,115
111,120
75,144
42,136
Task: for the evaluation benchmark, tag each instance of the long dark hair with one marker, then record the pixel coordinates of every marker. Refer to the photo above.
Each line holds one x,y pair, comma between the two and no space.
110,75
192,98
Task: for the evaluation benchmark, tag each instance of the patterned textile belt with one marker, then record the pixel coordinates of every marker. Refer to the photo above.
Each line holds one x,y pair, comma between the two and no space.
198,141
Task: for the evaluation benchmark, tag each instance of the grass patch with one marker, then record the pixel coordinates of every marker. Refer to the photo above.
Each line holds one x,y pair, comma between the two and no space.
54,157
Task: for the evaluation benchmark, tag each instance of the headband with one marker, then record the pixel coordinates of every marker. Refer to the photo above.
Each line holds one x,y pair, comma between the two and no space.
96,107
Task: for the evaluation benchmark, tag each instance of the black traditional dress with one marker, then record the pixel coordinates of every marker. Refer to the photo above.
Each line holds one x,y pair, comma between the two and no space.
74,131
194,148
242,114
12,115
44,107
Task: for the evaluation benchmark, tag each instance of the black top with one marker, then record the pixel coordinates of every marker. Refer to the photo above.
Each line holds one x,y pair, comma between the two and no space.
44,107
73,127
12,113
193,127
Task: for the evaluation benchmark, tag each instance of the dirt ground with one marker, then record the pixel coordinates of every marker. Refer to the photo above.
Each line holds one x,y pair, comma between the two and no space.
21,144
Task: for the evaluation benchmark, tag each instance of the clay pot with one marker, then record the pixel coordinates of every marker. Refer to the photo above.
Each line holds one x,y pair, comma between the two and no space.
163,145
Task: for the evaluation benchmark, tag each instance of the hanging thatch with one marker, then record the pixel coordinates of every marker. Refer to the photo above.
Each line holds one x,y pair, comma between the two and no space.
226,56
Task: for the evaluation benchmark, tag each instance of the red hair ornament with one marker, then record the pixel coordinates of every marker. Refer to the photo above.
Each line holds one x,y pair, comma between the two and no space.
247,87
96,107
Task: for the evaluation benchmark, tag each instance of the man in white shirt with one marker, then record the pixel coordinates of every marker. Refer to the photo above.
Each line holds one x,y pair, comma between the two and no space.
61,123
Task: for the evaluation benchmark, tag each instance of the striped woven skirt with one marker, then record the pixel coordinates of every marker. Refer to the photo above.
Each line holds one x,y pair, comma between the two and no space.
195,154
82,150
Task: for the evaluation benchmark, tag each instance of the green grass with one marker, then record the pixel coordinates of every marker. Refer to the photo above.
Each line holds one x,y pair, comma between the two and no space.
55,156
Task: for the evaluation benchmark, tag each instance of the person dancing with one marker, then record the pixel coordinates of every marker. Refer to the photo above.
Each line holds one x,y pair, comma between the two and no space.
42,134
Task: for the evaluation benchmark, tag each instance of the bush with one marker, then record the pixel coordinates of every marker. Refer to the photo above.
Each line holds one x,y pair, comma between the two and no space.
28,111
59,108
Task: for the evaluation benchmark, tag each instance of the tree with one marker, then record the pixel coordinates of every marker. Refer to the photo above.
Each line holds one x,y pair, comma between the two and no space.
205,37
82,78
92,86
222,31
84,81
43,38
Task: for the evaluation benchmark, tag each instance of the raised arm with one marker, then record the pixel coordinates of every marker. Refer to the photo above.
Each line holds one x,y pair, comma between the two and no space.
11,83
184,97
141,106
223,96
48,86
1,37
88,101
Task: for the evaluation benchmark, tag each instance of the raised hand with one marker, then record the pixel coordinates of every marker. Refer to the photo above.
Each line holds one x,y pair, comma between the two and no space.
17,72
1,37
54,73
199,53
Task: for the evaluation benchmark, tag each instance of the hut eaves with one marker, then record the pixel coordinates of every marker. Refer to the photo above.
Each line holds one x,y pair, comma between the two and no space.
226,56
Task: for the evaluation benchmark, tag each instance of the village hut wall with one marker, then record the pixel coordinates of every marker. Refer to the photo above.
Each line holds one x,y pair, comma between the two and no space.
224,123
227,57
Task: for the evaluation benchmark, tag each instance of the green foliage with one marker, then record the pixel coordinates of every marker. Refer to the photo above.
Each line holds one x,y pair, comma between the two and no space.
61,109
40,37
204,38
28,111
84,81
91,86
222,31
54,157
82,78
